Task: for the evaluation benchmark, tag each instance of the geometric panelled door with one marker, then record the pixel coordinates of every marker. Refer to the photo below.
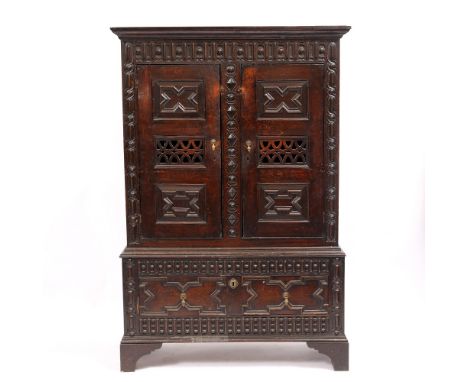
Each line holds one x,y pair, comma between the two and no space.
282,119
180,151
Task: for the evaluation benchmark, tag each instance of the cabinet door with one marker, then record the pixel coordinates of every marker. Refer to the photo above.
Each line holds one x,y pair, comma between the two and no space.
282,138
180,152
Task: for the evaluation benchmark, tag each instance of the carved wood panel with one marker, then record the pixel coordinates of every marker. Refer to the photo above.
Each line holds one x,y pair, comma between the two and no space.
289,295
249,295
184,151
180,203
282,150
178,99
167,296
279,202
282,99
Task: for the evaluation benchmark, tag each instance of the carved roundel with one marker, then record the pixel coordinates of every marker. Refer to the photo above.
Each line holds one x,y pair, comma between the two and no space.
282,99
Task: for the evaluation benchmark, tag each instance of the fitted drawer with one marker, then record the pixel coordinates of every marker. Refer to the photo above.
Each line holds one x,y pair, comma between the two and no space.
232,297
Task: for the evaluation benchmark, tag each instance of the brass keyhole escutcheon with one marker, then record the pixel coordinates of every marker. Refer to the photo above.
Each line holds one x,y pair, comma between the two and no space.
233,283
213,144
248,145
183,297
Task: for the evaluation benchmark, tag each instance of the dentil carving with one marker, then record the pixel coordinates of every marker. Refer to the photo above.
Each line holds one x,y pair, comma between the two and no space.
233,51
236,326
251,266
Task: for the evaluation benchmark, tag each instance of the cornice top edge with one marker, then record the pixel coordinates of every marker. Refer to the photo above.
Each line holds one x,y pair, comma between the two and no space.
247,252
236,33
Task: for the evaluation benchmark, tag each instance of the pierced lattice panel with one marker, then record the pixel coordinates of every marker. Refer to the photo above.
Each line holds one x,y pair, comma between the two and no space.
179,151
277,151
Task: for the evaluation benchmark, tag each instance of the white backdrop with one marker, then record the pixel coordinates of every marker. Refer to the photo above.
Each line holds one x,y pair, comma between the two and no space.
403,81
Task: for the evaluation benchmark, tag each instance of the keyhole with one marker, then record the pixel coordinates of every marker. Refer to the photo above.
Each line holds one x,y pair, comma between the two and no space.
233,283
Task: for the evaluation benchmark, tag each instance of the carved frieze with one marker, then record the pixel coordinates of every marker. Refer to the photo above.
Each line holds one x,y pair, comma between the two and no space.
236,326
246,266
147,52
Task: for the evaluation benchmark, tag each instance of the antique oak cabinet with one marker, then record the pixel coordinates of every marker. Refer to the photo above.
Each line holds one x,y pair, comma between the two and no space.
231,169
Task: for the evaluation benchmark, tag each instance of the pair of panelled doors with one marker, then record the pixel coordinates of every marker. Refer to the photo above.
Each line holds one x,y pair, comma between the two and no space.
281,150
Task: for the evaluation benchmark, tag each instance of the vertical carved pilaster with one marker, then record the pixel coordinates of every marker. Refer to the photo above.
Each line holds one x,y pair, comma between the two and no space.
231,144
337,293
331,125
131,144
130,296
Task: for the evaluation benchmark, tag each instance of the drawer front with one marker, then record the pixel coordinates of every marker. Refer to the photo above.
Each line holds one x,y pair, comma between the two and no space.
233,297
191,296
